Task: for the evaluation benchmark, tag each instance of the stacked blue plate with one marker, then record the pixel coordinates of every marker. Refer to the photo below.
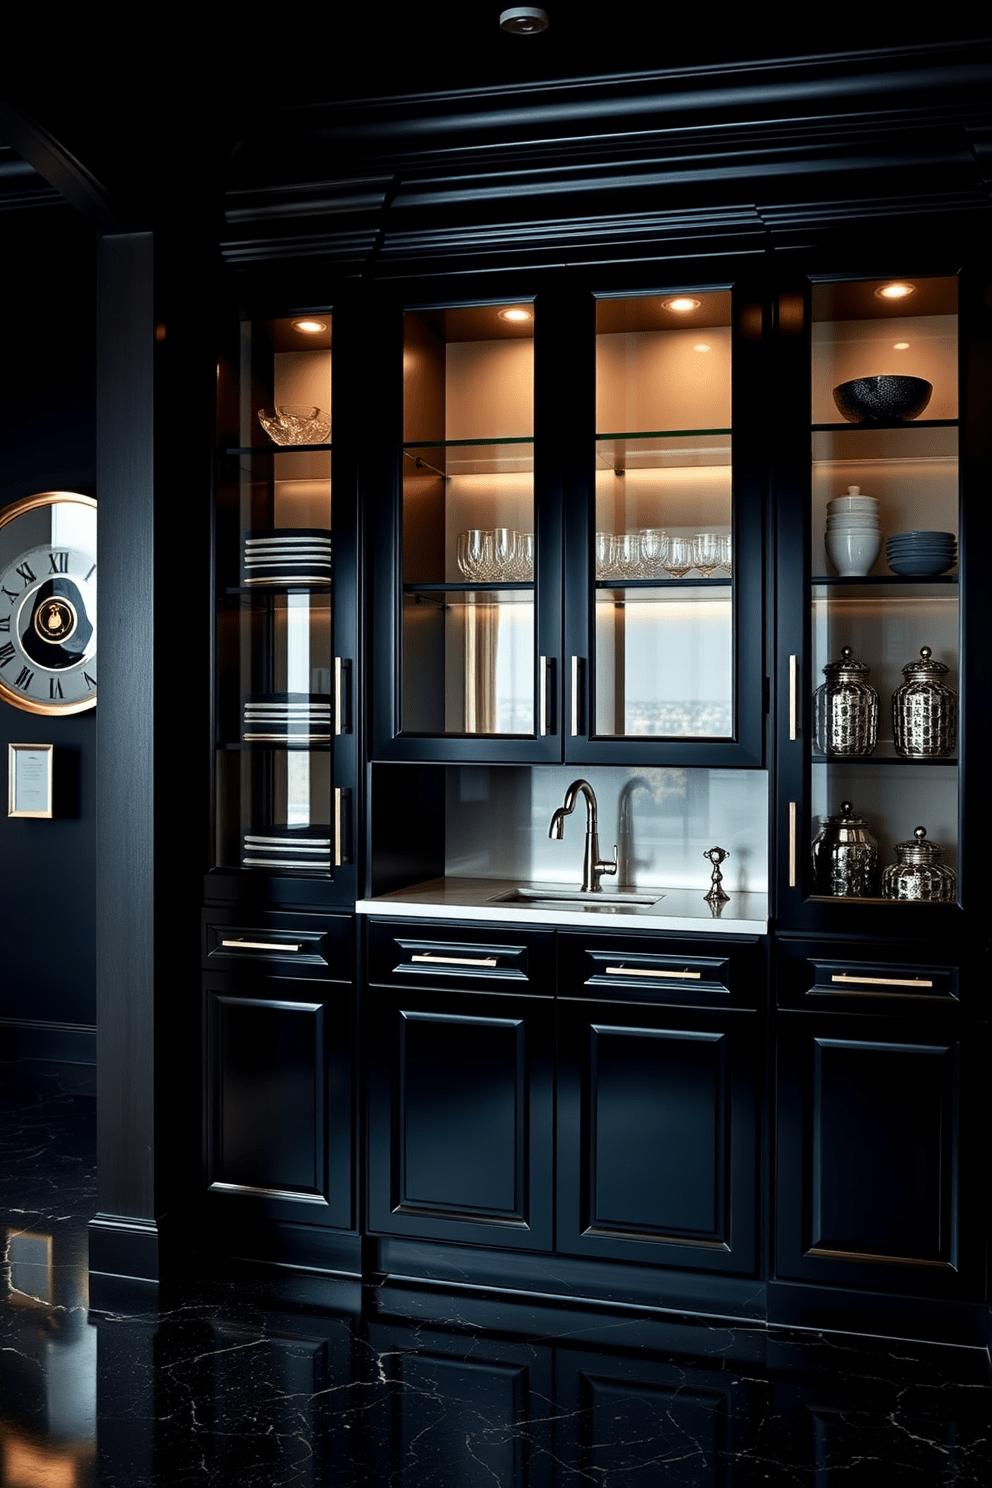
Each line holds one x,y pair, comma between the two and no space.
921,554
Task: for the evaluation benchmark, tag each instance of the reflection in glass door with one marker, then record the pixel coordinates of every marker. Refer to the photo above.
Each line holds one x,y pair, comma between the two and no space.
663,545
468,522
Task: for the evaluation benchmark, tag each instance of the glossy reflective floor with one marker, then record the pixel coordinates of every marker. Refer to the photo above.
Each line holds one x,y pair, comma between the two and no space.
264,1381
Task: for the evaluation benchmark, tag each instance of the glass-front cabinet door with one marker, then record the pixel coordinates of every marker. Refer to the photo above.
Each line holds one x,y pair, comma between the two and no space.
871,684
283,679
667,660
576,569
467,673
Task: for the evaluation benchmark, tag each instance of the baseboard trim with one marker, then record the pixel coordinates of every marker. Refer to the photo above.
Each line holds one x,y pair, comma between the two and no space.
125,1248
65,1043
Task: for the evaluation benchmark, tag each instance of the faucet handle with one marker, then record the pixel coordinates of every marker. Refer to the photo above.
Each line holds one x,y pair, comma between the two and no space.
607,866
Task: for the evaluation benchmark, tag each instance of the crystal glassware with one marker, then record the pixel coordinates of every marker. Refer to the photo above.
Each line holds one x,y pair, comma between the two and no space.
605,550
678,560
628,555
706,552
524,562
504,553
295,423
726,561
654,550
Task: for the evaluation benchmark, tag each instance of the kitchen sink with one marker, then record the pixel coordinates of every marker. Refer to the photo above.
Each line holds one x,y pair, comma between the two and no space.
615,899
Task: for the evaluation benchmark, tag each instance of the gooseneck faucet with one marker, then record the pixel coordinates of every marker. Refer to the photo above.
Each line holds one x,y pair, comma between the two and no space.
592,867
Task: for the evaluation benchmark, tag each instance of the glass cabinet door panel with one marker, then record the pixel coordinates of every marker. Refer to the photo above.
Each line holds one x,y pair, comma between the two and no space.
883,559
664,662
275,707
468,550
663,540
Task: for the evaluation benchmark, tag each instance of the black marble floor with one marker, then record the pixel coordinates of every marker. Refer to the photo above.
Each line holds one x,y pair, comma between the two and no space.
262,1381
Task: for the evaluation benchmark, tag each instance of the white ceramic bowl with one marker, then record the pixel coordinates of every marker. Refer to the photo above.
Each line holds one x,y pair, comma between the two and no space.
853,553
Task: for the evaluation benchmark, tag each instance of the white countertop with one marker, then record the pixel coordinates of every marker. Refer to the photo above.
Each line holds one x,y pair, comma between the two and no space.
479,899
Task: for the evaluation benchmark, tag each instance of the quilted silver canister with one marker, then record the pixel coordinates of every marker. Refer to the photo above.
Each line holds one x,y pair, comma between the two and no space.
924,710
846,708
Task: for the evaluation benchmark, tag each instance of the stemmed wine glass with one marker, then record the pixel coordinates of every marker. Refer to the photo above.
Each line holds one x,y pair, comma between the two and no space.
680,558
654,551
706,552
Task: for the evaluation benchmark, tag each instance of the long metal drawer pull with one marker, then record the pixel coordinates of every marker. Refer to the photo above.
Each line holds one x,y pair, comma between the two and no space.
262,945
542,696
638,971
842,976
338,859
457,960
575,695
793,696
792,844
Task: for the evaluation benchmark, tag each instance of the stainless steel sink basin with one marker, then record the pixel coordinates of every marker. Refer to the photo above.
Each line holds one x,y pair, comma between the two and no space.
606,900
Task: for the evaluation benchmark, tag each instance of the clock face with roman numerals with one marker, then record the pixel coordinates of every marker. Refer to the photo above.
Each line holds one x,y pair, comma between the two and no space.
48,603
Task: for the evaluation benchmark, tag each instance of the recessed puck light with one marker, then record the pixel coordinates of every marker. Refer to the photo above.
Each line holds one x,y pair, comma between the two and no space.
524,20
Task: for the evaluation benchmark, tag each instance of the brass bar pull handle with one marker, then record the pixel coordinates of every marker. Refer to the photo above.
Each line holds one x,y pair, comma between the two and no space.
792,844
262,945
793,697
338,697
338,855
842,976
542,696
639,971
575,696
456,960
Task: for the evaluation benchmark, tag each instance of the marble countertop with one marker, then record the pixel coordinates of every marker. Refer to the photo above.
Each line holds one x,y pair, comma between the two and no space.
485,899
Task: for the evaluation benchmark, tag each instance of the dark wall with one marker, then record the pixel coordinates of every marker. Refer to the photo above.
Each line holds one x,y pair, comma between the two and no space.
47,442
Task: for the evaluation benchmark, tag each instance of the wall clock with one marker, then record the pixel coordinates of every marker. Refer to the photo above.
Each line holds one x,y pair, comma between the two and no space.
48,603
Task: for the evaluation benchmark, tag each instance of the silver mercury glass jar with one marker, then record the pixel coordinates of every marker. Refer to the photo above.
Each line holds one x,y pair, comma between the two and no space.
919,873
924,710
845,857
846,708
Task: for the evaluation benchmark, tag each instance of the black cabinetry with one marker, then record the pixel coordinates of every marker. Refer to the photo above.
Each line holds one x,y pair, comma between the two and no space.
279,1056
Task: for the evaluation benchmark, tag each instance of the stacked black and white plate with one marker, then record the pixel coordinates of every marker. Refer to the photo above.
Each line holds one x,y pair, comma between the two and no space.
921,554
288,847
286,718
289,555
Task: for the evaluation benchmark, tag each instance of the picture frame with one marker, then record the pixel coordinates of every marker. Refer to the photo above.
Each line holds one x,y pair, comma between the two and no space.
29,780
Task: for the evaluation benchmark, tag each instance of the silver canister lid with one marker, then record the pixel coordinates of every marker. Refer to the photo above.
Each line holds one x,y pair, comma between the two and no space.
925,667
919,850
847,669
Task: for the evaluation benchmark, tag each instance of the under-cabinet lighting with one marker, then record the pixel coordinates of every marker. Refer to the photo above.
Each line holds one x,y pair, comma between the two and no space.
310,327
700,346
681,303
894,291
901,346
516,314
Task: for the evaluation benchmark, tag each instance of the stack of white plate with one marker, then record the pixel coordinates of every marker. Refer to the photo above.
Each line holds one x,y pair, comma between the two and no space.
288,847
853,538
286,717
290,556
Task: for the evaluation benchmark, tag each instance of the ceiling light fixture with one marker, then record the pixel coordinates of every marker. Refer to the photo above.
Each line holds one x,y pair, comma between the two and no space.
524,20
682,303
894,291
310,327
516,314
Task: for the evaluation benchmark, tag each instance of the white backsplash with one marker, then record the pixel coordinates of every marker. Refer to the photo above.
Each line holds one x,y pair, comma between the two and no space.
497,820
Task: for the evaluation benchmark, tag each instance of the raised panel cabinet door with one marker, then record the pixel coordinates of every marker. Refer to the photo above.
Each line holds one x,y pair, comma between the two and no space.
460,1117
877,1178
657,1134
278,1099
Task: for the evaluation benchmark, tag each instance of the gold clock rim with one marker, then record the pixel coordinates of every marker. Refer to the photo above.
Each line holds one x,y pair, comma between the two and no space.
9,514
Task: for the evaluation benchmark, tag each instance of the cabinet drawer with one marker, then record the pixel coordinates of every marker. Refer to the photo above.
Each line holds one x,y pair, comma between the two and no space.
473,957
286,944
852,976
718,972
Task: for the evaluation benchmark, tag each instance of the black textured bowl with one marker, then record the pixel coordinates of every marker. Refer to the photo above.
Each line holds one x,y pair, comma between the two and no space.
882,400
